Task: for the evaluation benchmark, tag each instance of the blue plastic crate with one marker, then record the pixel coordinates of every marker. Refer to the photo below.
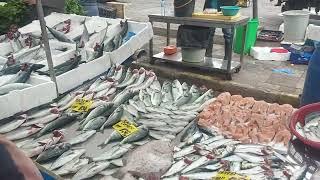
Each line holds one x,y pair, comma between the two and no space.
300,58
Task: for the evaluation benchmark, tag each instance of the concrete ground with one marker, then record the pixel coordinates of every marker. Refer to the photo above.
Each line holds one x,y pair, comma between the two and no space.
256,78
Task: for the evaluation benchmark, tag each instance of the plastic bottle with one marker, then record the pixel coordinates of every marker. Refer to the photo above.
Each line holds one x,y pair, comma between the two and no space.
163,7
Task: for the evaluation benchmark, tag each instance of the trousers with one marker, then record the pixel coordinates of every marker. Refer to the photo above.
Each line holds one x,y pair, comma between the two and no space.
227,35
90,7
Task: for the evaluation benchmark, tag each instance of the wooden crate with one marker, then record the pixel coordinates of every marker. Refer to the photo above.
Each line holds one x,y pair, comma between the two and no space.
120,7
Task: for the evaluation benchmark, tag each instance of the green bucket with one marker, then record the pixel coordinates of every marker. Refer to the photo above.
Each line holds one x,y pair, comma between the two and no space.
251,37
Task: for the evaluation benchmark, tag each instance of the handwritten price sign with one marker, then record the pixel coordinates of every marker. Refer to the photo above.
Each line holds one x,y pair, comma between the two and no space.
81,105
227,175
125,128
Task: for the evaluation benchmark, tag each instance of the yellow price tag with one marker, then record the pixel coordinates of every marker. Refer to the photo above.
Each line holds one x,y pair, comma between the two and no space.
81,105
227,175
125,128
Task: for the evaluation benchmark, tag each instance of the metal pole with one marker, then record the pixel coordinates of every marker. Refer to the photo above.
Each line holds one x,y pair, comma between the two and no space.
45,41
255,8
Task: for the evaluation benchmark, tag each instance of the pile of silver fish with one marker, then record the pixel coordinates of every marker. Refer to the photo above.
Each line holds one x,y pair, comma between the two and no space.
158,112
311,129
15,77
202,154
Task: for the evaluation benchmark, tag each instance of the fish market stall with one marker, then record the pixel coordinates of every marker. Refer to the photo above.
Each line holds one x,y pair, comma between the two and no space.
127,123
82,48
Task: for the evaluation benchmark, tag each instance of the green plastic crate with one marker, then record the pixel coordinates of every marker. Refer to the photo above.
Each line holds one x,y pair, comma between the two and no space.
251,37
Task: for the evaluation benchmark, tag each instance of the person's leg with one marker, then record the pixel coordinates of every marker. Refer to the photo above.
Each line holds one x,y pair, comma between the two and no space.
90,7
227,34
210,44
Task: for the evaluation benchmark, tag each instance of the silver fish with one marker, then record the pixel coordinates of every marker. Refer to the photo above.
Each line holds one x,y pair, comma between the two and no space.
138,105
167,128
151,77
191,140
213,167
136,136
206,96
177,167
42,120
114,153
156,98
103,86
166,92
91,170
66,99
251,158
100,110
114,136
131,80
195,93
177,90
201,161
200,176
117,162
139,81
109,172
113,118
66,157
53,152
11,126
95,123
151,122
80,138
187,150
69,104
159,110
122,97
72,167
16,135
132,110
161,136
156,85
127,76
60,122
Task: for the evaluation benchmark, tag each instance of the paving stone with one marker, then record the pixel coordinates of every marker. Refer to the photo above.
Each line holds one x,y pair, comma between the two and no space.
283,80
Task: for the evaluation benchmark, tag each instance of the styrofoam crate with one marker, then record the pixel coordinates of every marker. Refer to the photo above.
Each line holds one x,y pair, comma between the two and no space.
265,54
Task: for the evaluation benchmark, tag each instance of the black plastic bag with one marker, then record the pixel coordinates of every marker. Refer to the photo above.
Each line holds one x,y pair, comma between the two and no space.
193,37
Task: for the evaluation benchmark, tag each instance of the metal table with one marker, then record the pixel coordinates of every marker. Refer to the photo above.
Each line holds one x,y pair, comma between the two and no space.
227,67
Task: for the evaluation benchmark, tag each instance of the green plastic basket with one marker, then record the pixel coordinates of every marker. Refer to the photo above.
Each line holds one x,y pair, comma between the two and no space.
251,36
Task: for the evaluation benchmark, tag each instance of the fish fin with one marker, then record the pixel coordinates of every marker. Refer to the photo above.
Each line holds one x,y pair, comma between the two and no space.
54,105
23,116
102,145
90,160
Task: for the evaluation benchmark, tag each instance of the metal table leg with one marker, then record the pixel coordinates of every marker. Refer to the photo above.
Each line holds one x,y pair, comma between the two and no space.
244,38
152,60
230,52
168,34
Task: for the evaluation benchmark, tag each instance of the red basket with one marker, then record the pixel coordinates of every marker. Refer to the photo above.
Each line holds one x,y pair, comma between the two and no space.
299,116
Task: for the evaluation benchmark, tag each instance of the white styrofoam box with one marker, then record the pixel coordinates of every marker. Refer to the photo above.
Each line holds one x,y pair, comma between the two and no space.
6,48
42,92
144,33
265,54
84,72
313,32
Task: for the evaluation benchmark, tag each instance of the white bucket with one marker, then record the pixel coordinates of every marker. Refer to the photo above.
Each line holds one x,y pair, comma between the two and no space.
295,25
193,55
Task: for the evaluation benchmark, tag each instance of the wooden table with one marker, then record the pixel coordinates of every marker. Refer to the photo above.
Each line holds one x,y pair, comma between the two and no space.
227,67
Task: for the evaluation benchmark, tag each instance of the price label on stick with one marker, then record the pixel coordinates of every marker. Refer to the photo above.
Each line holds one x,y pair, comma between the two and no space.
125,128
81,105
227,175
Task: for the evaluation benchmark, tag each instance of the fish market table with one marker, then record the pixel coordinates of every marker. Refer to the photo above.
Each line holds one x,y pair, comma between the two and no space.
227,67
